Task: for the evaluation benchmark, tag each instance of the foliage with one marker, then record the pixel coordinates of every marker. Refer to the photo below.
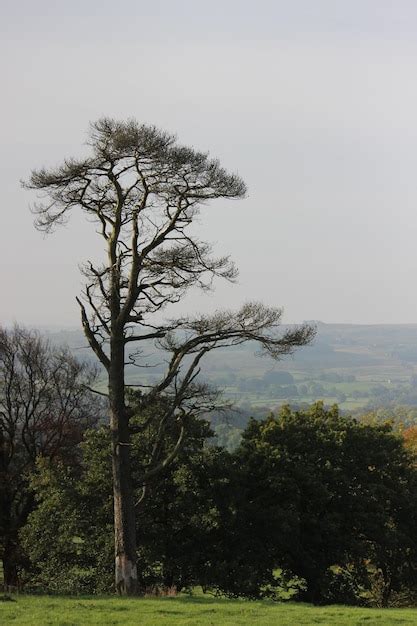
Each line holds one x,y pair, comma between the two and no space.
178,519
45,406
410,439
327,499
68,537
320,490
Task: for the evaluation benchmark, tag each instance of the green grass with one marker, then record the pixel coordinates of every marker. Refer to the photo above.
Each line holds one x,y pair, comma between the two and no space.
191,611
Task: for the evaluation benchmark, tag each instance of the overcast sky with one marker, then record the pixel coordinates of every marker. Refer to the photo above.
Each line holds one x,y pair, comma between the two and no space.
313,103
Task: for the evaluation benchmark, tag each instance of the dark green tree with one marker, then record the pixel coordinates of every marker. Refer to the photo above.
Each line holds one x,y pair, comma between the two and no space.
67,539
67,536
321,490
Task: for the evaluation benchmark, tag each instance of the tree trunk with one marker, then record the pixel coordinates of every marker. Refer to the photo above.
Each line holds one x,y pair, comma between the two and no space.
386,588
126,579
10,575
313,594
9,538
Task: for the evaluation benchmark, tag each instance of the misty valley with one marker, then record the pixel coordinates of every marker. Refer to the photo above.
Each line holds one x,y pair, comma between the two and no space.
369,368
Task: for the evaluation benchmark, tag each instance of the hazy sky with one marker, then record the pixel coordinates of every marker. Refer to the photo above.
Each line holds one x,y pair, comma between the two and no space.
313,103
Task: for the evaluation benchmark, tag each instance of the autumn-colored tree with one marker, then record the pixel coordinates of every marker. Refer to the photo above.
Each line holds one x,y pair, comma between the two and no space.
410,439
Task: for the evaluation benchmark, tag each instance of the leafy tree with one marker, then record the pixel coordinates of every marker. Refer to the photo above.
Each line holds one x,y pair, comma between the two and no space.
67,536
67,539
45,406
410,439
143,191
321,490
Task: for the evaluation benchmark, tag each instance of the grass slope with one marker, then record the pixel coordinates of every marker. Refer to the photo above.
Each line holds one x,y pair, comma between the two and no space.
45,611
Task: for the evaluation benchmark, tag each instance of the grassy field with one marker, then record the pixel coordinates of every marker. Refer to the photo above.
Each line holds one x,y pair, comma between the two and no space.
40,611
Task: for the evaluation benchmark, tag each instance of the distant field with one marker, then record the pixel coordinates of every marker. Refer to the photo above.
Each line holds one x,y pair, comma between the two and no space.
54,611
363,361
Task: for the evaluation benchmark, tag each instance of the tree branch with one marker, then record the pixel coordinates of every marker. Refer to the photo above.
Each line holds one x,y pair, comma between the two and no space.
98,350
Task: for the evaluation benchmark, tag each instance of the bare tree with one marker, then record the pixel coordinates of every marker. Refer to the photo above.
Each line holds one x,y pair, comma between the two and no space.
44,409
143,191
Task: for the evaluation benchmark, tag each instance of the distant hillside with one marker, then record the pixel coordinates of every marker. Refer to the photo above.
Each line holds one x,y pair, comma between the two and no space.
337,346
354,365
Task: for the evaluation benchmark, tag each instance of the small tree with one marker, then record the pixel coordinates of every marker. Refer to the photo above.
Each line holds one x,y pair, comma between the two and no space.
44,408
143,191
